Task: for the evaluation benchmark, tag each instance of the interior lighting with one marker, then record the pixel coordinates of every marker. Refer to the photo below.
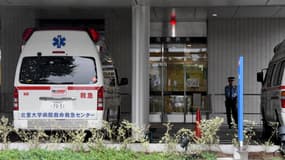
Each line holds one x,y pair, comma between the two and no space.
188,45
214,15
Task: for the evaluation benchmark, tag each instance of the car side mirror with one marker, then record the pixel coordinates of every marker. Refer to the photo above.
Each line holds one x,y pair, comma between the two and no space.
259,77
123,81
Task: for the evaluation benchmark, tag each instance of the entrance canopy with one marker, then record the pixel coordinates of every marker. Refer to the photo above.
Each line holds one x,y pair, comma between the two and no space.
189,9
153,3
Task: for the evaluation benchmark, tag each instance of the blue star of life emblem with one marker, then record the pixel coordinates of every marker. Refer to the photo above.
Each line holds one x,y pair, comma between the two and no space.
58,41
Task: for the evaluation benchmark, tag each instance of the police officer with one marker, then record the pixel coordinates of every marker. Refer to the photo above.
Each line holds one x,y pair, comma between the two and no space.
231,101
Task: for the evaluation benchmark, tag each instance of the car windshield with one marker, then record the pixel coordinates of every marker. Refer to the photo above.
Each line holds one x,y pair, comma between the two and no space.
58,70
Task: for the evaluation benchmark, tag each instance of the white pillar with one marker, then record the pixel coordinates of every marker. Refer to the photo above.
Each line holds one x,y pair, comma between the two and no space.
13,22
140,67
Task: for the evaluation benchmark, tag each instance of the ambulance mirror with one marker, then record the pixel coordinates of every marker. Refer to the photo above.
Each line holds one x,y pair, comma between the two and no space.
259,77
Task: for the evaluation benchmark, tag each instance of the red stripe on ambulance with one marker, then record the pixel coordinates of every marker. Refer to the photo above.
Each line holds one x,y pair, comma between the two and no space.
82,88
33,88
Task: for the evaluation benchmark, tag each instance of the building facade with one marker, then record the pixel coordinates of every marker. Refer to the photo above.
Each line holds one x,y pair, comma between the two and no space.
171,72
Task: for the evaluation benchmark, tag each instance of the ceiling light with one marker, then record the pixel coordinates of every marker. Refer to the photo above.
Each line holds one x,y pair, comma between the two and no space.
173,22
214,14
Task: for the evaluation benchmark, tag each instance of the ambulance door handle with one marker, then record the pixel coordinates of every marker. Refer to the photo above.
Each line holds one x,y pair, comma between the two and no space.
57,99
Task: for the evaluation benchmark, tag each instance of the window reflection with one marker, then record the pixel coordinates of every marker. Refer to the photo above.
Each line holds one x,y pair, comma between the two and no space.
58,70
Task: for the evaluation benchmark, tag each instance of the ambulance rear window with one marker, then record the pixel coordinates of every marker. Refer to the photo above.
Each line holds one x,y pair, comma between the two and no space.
58,70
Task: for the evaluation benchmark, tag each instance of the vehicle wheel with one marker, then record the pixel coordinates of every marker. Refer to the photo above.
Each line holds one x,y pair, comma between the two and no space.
275,129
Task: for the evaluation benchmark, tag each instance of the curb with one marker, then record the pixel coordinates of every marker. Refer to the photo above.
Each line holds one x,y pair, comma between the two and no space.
139,147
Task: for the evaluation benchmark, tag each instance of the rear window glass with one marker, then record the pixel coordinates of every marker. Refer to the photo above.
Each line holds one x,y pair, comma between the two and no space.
58,70
279,74
109,77
268,76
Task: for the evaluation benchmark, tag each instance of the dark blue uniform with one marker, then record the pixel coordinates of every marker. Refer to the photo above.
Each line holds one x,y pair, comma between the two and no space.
231,103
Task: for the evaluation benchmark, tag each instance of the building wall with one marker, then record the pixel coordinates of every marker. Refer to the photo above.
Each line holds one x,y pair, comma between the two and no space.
0,69
13,22
253,38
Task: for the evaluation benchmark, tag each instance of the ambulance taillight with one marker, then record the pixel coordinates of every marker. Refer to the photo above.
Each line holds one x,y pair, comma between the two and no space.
100,97
16,100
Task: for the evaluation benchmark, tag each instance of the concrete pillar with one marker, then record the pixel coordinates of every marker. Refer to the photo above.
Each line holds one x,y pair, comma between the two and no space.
140,67
13,22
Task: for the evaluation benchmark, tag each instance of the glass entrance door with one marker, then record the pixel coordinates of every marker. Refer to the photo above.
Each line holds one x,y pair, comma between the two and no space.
178,78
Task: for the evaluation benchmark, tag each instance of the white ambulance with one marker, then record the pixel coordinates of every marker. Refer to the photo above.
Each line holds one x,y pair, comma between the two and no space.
273,95
59,81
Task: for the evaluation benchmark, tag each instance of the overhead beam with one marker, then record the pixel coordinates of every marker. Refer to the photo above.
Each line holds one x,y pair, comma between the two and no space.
129,3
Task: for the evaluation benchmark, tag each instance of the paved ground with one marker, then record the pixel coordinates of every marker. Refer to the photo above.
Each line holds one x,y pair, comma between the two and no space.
226,135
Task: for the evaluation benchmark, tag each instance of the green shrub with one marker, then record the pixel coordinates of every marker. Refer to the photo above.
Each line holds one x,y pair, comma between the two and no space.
96,154
5,129
248,133
208,156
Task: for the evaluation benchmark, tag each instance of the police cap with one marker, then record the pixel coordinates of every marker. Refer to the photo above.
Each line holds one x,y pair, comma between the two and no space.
231,78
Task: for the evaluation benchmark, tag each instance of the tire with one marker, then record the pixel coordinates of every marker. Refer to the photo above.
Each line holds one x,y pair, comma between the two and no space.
277,137
271,132
266,129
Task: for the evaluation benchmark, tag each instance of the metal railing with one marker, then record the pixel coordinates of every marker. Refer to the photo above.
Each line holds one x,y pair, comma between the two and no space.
215,100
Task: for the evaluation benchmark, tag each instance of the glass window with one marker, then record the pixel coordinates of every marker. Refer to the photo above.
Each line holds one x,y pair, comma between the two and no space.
196,68
279,74
174,104
268,76
156,67
175,77
174,61
155,104
58,70
178,70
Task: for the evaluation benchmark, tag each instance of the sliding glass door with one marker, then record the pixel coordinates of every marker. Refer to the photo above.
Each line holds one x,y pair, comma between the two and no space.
178,78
